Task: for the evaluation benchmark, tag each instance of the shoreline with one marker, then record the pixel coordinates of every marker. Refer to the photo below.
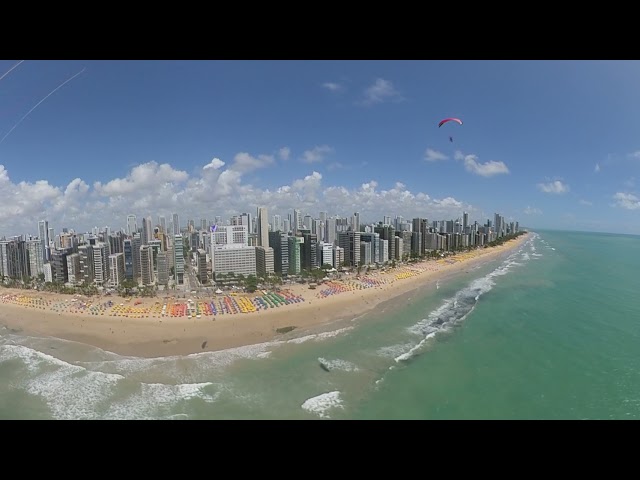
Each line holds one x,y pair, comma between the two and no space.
154,336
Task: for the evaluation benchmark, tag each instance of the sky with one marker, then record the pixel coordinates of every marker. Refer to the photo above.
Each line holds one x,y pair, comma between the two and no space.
551,144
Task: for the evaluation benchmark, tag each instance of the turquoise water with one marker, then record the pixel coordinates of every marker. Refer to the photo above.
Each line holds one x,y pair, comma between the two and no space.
550,331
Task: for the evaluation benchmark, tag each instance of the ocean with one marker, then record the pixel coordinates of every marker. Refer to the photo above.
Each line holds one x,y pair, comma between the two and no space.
548,331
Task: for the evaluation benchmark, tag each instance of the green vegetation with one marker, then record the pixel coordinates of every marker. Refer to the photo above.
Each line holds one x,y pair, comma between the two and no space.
285,329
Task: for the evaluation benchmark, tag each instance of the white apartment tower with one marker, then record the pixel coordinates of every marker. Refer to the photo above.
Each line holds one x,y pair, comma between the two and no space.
116,269
100,264
132,226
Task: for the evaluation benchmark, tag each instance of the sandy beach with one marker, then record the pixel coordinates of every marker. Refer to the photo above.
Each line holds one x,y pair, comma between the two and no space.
139,326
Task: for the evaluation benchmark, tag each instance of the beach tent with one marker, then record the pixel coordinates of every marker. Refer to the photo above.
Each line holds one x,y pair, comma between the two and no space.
218,291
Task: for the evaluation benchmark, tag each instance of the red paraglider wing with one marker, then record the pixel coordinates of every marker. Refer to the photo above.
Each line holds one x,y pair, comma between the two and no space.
449,120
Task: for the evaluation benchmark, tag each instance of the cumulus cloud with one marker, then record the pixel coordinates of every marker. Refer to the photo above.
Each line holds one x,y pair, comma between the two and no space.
333,87
556,187
151,190
532,211
432,155
141,177
215,163
284,153
586,202
243,162
316,154
382,90
487,169
627,201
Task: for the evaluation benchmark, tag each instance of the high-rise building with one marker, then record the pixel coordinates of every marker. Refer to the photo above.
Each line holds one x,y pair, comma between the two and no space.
306,222
326,254
116,269
146,265
237,259
350,242
163,224
263,227
132,226
280,244
330,231
201,265
128,258
74,275
178,255
163,268
277,223
338,257
43,233
136,243
230,234
295,263
264,261
100,264
355,222
309,251
86,264
297,221
176,224
36,257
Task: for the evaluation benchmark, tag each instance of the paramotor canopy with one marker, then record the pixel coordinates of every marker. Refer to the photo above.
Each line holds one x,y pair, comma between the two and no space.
442,122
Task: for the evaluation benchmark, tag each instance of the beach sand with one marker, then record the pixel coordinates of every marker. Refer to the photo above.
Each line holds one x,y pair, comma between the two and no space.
166,336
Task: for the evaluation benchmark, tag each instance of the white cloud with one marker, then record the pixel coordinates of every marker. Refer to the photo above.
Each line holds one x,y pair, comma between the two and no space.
142,177
334,166
284,153
556,187
487,169
597,168
332,86
586,202
458,155
532,211
635,154
152,189
381,91
626,200
243,162
316,154
215,163
432,155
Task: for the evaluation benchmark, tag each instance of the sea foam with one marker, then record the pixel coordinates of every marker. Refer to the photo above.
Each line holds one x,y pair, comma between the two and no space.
322,403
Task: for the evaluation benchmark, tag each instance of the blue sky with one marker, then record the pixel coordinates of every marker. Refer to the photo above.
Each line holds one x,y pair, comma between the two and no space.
553,144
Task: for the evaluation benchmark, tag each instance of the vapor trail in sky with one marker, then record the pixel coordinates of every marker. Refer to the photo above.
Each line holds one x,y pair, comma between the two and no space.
9,71
37,104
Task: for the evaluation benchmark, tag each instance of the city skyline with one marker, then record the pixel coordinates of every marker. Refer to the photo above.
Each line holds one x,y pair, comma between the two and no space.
214,138
282,219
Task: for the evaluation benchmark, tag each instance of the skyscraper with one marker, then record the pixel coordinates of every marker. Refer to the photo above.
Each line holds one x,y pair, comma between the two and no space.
176,224
43,231
178,255
297,221
263,227
132,226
